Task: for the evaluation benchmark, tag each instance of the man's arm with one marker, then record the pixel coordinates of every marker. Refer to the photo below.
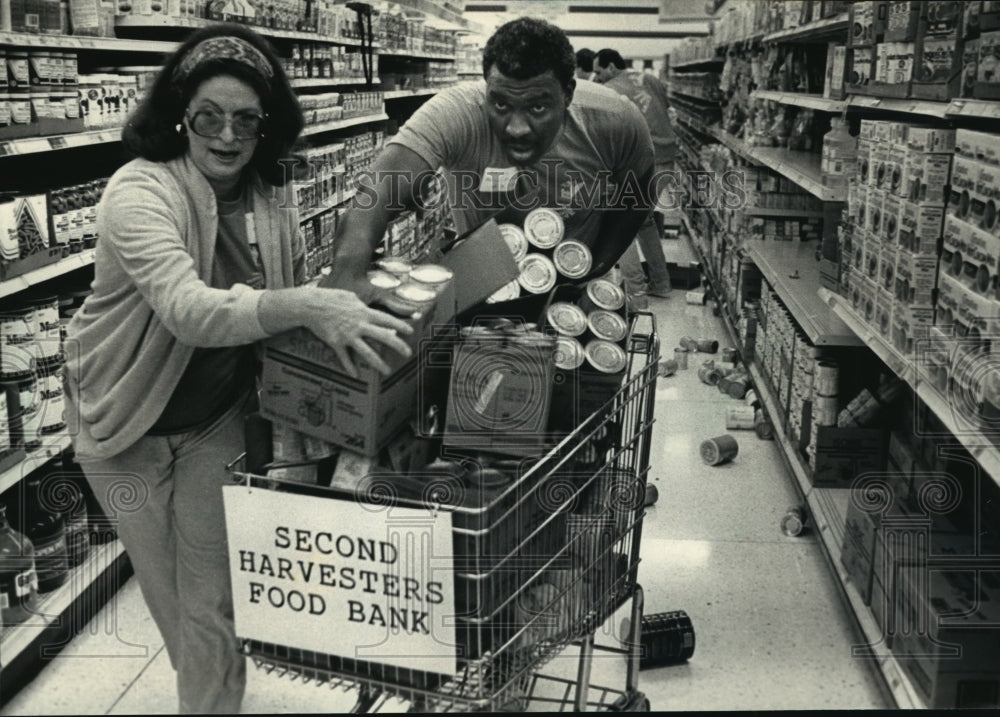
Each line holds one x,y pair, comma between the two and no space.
397,181
619,224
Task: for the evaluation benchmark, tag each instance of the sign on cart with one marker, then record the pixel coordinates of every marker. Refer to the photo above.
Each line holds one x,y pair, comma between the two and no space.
345,578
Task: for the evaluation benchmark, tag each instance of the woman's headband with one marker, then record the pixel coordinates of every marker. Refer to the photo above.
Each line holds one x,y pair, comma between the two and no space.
223,47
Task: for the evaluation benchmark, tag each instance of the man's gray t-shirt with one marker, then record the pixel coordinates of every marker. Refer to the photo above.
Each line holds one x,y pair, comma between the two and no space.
603,139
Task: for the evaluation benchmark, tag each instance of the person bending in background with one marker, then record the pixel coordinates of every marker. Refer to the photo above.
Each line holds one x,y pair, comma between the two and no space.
526,136
200,258
585,64
650,96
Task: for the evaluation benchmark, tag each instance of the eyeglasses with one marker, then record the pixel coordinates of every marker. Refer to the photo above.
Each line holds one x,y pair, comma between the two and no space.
245,125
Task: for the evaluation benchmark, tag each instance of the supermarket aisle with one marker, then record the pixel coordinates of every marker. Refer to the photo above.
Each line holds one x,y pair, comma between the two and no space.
771,631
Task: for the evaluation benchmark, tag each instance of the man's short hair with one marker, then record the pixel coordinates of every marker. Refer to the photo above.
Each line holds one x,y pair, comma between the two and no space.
527,47
608,57
585,59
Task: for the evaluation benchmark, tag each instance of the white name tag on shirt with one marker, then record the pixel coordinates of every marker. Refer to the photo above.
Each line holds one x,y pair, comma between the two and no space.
498,180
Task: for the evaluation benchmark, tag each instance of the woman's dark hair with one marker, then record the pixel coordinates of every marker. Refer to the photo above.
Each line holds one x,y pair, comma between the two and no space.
608,57
151,132
526,47
585,59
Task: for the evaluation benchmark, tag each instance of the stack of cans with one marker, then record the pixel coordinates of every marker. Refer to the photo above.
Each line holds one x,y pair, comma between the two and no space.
592,330
543,255
825,406
406,288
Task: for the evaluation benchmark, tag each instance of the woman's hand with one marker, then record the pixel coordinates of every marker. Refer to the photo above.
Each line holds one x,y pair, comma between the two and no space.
338,318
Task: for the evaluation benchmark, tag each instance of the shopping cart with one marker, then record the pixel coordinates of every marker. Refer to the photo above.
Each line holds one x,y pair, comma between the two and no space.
537,570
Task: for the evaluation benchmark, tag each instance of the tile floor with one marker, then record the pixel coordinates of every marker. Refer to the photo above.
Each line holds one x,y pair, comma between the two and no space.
771,631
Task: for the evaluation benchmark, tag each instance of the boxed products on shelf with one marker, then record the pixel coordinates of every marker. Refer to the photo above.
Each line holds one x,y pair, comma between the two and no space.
988,69
25,242
867,23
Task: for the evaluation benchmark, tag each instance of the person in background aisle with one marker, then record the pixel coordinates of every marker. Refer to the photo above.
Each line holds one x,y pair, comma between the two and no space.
200,258
650,96
527,136
585,64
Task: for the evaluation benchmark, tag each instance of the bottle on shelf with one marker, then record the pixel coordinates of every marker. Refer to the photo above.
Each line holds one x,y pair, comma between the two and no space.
42,522
840,154
18,580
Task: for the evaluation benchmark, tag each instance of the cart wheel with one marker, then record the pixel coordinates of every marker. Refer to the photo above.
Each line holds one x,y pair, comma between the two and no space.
633,702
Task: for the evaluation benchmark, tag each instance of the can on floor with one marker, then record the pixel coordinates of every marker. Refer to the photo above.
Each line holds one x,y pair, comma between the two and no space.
668,367
667,639
738,386
708,374
794,521
707,346
725,367
681,357
730,355
740,418
751,398
688,344
696,298
762,426
543,228
719,450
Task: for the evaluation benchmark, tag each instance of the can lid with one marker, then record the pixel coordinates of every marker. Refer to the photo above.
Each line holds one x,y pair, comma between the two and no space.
394,265
543,227
514,236
606,294
431,274
415,293
605,356
507,292
383,279
572,259
568,353
568,319
607,325
538,273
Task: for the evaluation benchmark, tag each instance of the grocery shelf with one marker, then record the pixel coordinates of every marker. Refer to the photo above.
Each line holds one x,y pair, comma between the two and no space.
811,30
331,81
416,55
343,123
828,507
51,606
714,60
50,448
81,42
909,370
33,145
161,22
782,212
978,109
63,266
798,99
316,211
803,168
397,94
793,272
693,97
924,108
789,452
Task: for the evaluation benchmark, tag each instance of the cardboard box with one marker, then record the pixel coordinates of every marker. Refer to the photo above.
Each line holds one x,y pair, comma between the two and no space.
858,548
944,17
843,454
867,22
964,173
910,325
862,64
973,256
891,216
977,145
920,228
901,20
869,292
360,415
836,72
933,140
988,70
970,67
883,311
916,278
482,263
925,178
887,267
939,60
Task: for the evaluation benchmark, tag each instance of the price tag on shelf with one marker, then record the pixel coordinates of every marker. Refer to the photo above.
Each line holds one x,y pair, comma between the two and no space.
58,142
7,148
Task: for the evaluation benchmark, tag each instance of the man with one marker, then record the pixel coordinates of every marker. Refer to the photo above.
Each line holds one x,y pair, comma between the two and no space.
585,64
526,137
650,96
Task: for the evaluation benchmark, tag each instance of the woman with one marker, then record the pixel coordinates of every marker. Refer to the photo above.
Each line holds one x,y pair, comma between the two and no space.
199,258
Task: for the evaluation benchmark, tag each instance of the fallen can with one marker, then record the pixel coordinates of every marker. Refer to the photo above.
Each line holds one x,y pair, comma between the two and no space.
762,426
681,357
652,495
730,355
709,374
738,386
688,344
740,418
719,450
794,521
667,639
668,367
707,346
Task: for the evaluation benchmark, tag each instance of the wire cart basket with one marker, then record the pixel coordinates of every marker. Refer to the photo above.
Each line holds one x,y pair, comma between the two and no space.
539,567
